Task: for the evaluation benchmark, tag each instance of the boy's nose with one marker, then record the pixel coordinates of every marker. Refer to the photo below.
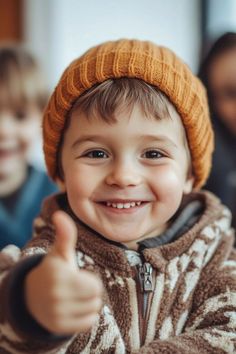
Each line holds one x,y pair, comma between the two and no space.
123,175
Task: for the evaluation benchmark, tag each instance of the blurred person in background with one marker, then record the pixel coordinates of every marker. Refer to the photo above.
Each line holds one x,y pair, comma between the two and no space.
22,187
218,73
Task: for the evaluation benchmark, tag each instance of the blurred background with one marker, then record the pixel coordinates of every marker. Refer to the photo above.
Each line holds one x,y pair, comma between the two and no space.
57,31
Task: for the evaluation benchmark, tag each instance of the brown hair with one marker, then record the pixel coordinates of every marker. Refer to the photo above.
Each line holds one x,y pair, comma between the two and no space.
21,81
112,95
223,44
115,95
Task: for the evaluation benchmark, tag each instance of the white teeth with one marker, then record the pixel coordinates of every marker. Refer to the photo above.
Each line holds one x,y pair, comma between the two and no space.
127,205
123,205
119,206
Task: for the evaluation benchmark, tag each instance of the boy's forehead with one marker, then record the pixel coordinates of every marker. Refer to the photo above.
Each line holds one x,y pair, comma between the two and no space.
130,122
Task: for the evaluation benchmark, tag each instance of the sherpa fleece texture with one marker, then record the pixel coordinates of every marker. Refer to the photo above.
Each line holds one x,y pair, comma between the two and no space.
192,308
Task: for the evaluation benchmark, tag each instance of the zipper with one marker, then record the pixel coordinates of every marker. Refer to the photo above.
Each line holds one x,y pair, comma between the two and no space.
145,294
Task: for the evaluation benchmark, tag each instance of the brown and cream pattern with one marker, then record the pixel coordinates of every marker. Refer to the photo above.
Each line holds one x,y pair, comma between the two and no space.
193,305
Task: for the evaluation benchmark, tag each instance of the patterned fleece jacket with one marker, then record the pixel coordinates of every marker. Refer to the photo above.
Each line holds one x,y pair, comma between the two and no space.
176,298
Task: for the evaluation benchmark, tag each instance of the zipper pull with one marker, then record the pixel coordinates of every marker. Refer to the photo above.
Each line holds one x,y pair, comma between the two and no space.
145,277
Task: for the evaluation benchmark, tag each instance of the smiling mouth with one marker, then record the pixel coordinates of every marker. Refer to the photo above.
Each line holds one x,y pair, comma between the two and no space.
123,205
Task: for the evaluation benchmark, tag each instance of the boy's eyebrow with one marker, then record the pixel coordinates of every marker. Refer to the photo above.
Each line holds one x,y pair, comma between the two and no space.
85,138
159,138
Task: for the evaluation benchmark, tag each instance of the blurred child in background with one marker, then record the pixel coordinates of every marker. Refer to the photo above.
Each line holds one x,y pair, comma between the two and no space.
218,73
22,187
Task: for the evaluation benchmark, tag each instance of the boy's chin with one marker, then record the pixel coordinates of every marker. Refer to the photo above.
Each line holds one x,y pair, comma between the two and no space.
118,236
126,240
128,234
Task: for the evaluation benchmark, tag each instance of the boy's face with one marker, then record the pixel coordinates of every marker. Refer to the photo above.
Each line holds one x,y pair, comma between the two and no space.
18,129
126,179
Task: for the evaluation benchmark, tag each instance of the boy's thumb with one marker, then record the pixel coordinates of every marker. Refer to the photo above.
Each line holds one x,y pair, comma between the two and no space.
66,237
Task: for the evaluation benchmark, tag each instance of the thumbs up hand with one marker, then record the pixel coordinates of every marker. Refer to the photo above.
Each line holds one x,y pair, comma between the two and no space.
61,297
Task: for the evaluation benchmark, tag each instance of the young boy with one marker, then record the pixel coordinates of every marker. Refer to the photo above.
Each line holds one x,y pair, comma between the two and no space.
131,257
22,186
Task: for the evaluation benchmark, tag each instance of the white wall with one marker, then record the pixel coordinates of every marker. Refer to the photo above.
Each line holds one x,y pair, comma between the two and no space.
57,31
221,17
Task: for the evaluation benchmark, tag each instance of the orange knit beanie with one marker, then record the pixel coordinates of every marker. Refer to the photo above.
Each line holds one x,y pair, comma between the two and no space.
144,60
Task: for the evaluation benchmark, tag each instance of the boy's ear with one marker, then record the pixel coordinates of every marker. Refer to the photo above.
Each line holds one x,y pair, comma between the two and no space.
188,187
61,184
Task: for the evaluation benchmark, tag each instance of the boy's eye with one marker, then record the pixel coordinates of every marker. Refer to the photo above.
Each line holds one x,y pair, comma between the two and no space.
96,154
20,115
153,154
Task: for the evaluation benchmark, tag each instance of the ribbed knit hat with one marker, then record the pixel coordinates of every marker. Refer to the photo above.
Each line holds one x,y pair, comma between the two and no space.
144,60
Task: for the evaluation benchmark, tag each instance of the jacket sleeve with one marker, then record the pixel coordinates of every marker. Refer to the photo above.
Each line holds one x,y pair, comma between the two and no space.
211,326
19,332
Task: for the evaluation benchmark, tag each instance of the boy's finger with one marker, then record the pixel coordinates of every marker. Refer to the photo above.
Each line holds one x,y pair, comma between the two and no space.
66,237
93,286
70,325
75,308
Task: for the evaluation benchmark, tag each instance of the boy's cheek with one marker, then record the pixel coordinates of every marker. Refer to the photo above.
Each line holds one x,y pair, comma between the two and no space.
167,176
78,175
168,184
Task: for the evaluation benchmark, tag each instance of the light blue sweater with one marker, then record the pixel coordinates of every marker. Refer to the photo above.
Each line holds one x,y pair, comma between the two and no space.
16,223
